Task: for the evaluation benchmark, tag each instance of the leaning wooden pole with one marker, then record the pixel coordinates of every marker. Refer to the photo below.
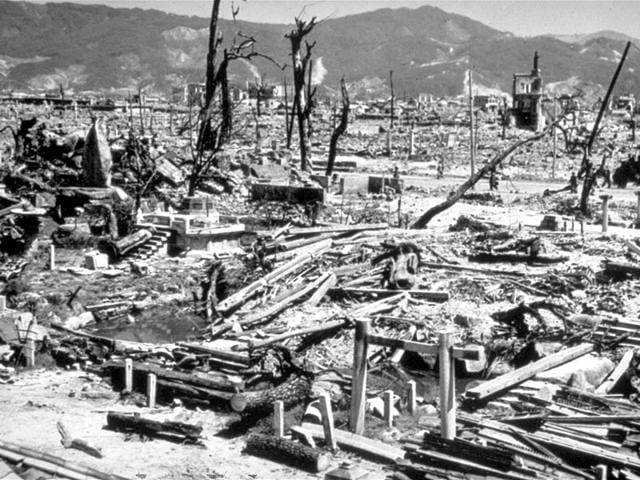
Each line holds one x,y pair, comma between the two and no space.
462,189
589,176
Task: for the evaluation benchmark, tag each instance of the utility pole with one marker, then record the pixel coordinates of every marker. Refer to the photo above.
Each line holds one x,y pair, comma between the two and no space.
393,100
555,137
504,118
472,139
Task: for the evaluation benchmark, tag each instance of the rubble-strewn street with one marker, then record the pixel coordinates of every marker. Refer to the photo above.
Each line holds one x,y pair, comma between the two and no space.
322,287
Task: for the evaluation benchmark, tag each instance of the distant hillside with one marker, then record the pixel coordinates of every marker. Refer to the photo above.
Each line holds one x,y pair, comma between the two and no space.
582,38
429,50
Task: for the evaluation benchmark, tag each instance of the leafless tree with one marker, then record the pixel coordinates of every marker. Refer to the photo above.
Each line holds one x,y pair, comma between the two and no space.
340,128
215,120
303,102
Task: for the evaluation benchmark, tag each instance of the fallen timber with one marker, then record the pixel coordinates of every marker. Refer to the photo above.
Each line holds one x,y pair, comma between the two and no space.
134,423
614,377
271,310
216,384
356,443
516,258
429,295
293,391
292,453
247,292
499,384
52,464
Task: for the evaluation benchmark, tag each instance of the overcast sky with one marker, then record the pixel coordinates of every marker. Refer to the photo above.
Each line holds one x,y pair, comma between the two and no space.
522,17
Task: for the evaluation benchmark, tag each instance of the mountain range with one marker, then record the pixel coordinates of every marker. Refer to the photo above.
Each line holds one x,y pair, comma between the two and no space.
89,47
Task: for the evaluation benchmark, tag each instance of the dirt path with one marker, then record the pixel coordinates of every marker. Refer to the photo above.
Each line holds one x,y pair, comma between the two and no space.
32,406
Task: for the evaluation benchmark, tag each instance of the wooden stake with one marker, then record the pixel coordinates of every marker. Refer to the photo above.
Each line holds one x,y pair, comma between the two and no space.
605,212
151,390
327,421
359,377
447,388
30,353
388,408
411,397
278,418
128,375
52,257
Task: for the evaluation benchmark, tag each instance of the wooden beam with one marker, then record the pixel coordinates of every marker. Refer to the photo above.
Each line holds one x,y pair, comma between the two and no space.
359,444
338,228
297,333
431,295
329,280
490,388
408,345
591,419
614,377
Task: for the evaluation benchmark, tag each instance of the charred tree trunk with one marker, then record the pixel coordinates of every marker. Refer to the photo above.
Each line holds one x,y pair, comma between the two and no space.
123,422
462,189
293,391
288,125
300,64
339,130
289,452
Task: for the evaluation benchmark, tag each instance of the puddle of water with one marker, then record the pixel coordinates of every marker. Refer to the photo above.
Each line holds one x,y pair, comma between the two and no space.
155,325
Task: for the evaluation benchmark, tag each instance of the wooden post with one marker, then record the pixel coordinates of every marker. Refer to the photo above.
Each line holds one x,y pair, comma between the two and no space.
412,140
600,472
555,138
504,118
447,387
3,303
128,375
389,144
605,212
411,397
359,377
327,421
30,353
278,418
388,408
151,390
52,257
472,139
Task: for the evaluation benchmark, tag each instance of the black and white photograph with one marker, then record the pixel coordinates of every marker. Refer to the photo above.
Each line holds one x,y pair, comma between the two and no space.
319,239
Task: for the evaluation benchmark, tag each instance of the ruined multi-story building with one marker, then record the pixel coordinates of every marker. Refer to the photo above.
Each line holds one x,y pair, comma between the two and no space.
527,98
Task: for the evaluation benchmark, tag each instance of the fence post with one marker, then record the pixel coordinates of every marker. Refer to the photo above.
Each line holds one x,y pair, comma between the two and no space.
359,377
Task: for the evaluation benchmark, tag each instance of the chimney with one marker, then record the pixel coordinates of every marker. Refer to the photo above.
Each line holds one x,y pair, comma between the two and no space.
536,57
